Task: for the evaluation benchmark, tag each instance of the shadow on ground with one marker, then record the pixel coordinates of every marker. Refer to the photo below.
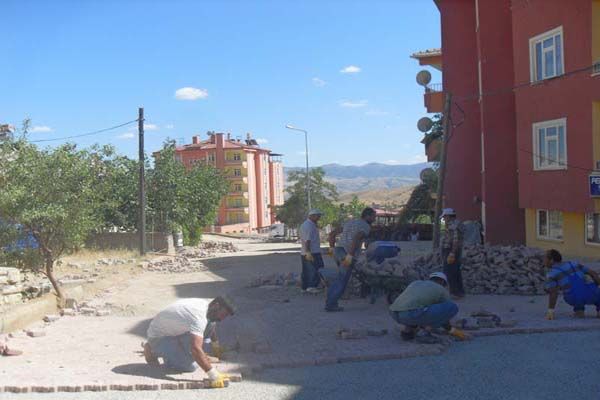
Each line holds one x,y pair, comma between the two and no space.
149,371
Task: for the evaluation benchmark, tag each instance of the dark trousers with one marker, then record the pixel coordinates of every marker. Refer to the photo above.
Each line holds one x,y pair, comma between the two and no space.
310,271
336,290
454,274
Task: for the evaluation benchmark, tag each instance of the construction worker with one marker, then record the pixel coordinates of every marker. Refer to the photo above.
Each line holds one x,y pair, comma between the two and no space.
310,253
424,306
177,335
451,249
570,278
352,235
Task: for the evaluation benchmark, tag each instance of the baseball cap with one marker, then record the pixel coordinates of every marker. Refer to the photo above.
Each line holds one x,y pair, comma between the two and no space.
448,211
439,275
314,211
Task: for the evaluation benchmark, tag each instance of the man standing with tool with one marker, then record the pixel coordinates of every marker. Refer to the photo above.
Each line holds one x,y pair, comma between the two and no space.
310,253
352,235
451,249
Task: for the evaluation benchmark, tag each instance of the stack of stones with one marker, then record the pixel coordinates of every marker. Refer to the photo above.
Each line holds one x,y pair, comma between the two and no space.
207,249
289,279
10,286
174,265
486,269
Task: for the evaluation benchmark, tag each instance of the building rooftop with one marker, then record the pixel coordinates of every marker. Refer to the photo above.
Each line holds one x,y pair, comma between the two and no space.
427,53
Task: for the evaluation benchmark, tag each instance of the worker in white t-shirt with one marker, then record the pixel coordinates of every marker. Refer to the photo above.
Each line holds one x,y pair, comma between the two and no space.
178,332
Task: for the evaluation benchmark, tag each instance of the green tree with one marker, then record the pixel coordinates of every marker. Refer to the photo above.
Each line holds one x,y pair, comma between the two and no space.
180,197
420,204
50,194
323,196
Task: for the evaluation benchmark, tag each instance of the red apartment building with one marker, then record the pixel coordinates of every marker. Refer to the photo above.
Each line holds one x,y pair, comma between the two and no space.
255,175
526,116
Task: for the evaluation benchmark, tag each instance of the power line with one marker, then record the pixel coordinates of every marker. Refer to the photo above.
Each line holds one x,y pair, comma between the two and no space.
86,134
557,161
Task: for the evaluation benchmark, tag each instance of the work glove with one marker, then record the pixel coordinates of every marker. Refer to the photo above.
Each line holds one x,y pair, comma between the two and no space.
347,261
550,314
216,349
451,259
459,334
309,257
330,252
217,379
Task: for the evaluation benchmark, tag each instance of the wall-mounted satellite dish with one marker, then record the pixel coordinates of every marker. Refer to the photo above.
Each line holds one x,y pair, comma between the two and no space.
425,124
424,77
427,172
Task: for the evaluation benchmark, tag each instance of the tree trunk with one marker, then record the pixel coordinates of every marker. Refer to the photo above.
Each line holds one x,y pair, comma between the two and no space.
50,274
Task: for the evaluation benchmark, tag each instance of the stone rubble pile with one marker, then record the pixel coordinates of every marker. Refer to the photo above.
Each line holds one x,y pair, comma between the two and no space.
486,269
289,279
174,265
11,287
207,249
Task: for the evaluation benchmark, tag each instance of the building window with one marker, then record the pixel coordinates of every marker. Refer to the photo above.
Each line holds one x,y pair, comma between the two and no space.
237,187
550,144
237,157
549,225
592,228
237,172
211,157
237,202
546,55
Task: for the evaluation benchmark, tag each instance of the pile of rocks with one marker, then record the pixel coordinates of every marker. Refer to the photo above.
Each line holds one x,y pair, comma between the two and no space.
114,261
88,308
289,279
486,269
207,249
11,287
174,264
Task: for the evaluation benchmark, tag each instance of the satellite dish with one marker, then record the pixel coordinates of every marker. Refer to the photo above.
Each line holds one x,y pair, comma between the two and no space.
425,173
425,124
424,77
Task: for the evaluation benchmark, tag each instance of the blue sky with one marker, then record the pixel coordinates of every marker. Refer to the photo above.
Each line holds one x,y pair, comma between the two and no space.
339,69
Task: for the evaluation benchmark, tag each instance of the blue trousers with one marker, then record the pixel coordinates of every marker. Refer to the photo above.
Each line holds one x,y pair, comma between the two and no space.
336,290
435,316
176,352
581,295
310,271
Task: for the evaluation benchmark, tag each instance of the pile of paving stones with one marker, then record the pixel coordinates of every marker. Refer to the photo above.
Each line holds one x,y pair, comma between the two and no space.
289,279
207,249
92,308
486,269
174,265
11,287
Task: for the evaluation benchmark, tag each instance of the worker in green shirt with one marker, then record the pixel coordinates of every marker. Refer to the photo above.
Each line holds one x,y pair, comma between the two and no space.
424,306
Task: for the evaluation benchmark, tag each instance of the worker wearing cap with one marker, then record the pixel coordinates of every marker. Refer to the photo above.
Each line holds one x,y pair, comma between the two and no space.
351,238
451,249
423,306
177,335
570,278
310,253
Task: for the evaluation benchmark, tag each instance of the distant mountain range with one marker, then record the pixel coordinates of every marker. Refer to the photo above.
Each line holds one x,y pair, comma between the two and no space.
373,176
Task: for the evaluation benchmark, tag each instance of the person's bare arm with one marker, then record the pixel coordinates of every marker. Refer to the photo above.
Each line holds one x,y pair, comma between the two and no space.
307,246
199,355
552,298
356,242
332,236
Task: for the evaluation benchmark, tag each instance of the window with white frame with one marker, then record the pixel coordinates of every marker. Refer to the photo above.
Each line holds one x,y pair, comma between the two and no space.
237,172
549,224
546,55
237,187
592,228
550,144
211,157
237,156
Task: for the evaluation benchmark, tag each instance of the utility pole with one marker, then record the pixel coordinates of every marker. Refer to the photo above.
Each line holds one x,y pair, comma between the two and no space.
441,172
307,171
142,184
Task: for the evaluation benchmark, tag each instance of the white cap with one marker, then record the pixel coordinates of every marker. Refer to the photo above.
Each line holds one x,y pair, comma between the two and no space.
439,275
448,211
314,211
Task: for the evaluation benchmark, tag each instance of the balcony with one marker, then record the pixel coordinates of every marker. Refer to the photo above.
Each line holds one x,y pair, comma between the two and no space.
242,163
243,179
434,98
233,193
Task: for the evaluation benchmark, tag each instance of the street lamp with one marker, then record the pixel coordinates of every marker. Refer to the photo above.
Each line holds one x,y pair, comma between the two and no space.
307,170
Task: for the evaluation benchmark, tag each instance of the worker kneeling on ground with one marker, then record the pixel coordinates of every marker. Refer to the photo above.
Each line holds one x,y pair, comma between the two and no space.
424,306
178,332
570,278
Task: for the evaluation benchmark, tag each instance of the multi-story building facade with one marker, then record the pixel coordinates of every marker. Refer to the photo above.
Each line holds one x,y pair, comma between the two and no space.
525,118
255,175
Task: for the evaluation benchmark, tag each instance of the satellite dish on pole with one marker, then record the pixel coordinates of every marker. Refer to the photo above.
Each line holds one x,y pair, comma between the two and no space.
425,124
424,77
427,172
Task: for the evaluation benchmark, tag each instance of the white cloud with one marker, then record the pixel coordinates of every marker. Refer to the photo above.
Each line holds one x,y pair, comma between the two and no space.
318,82
353,104
350,69
41,129
377,113
190,93
392,162
262,141
150,127
127,135
169,126
420,158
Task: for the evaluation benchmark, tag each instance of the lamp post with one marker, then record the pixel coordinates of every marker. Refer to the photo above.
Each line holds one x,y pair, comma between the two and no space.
307,170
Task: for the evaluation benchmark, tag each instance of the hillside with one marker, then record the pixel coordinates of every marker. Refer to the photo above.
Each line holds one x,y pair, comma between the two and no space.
370,177
398,196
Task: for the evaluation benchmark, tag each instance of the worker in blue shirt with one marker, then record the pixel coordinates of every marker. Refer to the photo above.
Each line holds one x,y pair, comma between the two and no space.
571,279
